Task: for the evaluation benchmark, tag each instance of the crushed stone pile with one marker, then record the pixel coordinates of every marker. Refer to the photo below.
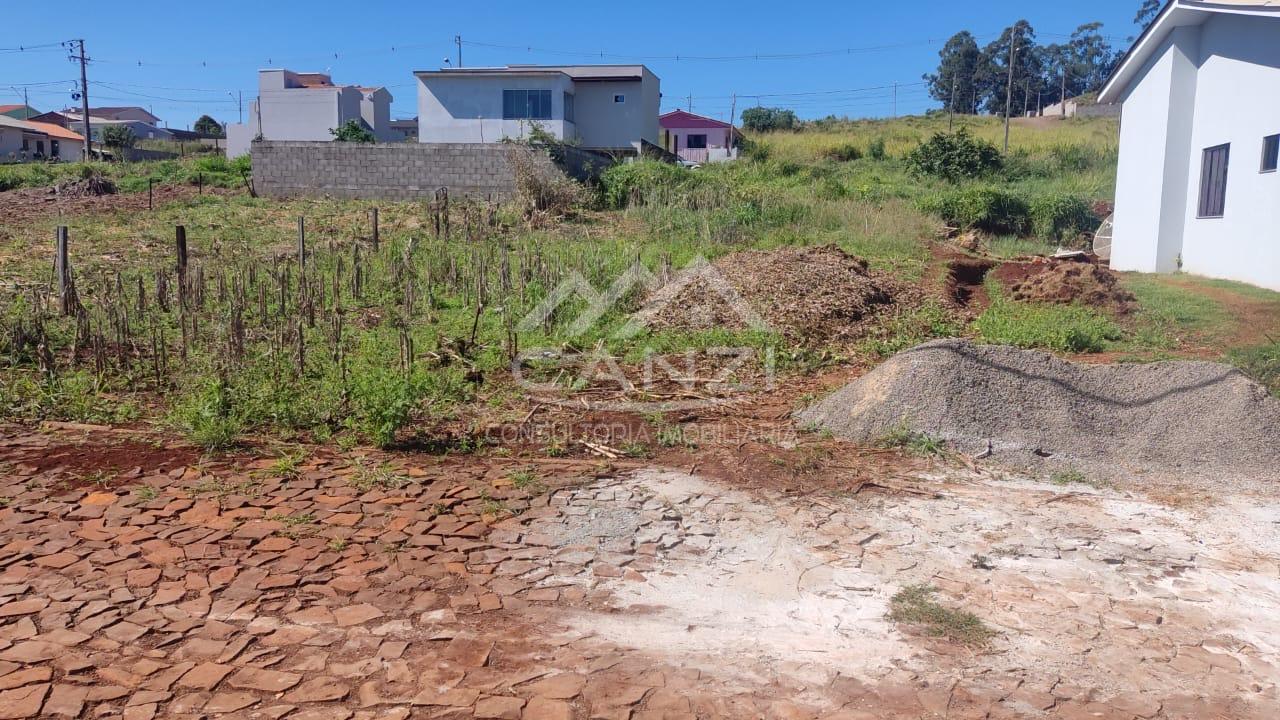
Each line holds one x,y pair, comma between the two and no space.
1176,420
92,186
807,294
1065,282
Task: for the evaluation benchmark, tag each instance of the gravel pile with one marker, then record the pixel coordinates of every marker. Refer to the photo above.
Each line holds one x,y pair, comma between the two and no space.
810,295
1174,420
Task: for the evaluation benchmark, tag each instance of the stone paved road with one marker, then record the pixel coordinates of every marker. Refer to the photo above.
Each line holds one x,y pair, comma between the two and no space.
344,590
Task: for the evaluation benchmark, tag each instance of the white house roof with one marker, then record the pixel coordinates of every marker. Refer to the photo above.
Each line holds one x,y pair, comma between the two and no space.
577,72
1176,14
7,121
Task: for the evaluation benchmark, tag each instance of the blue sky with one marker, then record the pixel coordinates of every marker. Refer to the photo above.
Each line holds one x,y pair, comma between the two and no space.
184,64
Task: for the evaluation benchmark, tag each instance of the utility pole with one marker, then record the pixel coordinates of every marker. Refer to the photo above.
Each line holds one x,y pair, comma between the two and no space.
690,102
1064,91
951,122
1026,96
239,98
84,100
895,99
733,111
1008,93
457,40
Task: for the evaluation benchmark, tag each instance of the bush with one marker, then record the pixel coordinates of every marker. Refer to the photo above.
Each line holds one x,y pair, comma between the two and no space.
619,183
981,207
384,401
207,418
1059,216
352,131
876,150
1065,328
954,156
118,136
844,153
760,119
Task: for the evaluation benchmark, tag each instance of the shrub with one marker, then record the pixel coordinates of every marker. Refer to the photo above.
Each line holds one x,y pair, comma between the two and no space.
1065,328
954,156
760,119
876,150
844,153
981,207
619,183
118,136
352,131
384,400
207,417
1060,216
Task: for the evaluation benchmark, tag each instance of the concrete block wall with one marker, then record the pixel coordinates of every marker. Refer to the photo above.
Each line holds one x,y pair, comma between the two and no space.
394,171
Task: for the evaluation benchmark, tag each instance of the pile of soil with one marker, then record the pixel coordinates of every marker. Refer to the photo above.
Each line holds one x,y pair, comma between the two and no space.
809,295
1064,282
92,186
1175,420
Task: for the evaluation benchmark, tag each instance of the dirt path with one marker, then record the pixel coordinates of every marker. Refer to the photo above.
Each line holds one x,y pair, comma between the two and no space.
336,590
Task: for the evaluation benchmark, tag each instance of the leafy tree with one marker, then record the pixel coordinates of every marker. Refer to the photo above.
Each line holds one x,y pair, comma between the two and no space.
1028,70
761,119
954,83
1085,62
208,126
1148,12
118,136
352,131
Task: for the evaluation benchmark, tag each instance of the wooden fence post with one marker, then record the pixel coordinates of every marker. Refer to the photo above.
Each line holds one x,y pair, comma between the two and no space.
373,222
62,268
302,242
180,244
150,182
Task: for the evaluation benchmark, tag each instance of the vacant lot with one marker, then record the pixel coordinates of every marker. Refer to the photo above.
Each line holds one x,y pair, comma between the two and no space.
541,462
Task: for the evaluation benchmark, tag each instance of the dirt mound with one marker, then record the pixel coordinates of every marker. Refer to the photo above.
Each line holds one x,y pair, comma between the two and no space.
809,295
92,186
1065,282
1187,420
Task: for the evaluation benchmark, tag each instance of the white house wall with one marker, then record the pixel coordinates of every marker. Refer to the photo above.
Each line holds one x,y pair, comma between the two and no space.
1151,178
10,144
468,108
603,123
1238,102
296,114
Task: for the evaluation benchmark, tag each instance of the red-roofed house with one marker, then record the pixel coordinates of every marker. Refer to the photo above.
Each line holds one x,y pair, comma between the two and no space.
699,139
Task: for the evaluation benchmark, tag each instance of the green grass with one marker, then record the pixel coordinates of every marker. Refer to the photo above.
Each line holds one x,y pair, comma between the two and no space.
1064,328
903,437
914,605
1261,363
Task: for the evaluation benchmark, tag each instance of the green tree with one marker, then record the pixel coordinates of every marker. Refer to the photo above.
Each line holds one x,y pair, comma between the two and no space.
352,131
118,136
1149,11
955,81
762,119
1028,71
208,126
1084,63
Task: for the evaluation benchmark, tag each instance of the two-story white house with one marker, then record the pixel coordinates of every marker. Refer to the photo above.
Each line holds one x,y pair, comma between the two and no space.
1197,187
606,107
307,106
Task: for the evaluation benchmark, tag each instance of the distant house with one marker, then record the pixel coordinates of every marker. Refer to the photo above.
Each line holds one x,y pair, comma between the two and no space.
23,141
1086,106
402,130
54,118
695,138
129,113
19,112
307,106
609,107
1197,187
141,129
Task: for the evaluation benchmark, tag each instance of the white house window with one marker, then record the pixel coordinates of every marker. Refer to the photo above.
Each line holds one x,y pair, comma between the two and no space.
526,104
619,98
568,107
696,142
1270,153
1213,181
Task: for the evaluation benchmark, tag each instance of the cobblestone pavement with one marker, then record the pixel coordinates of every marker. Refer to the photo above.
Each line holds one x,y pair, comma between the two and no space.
340,590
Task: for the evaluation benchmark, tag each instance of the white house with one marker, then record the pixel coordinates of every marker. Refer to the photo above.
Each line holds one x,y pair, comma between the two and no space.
23,141
306,106
1197,187
129,113
612,107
